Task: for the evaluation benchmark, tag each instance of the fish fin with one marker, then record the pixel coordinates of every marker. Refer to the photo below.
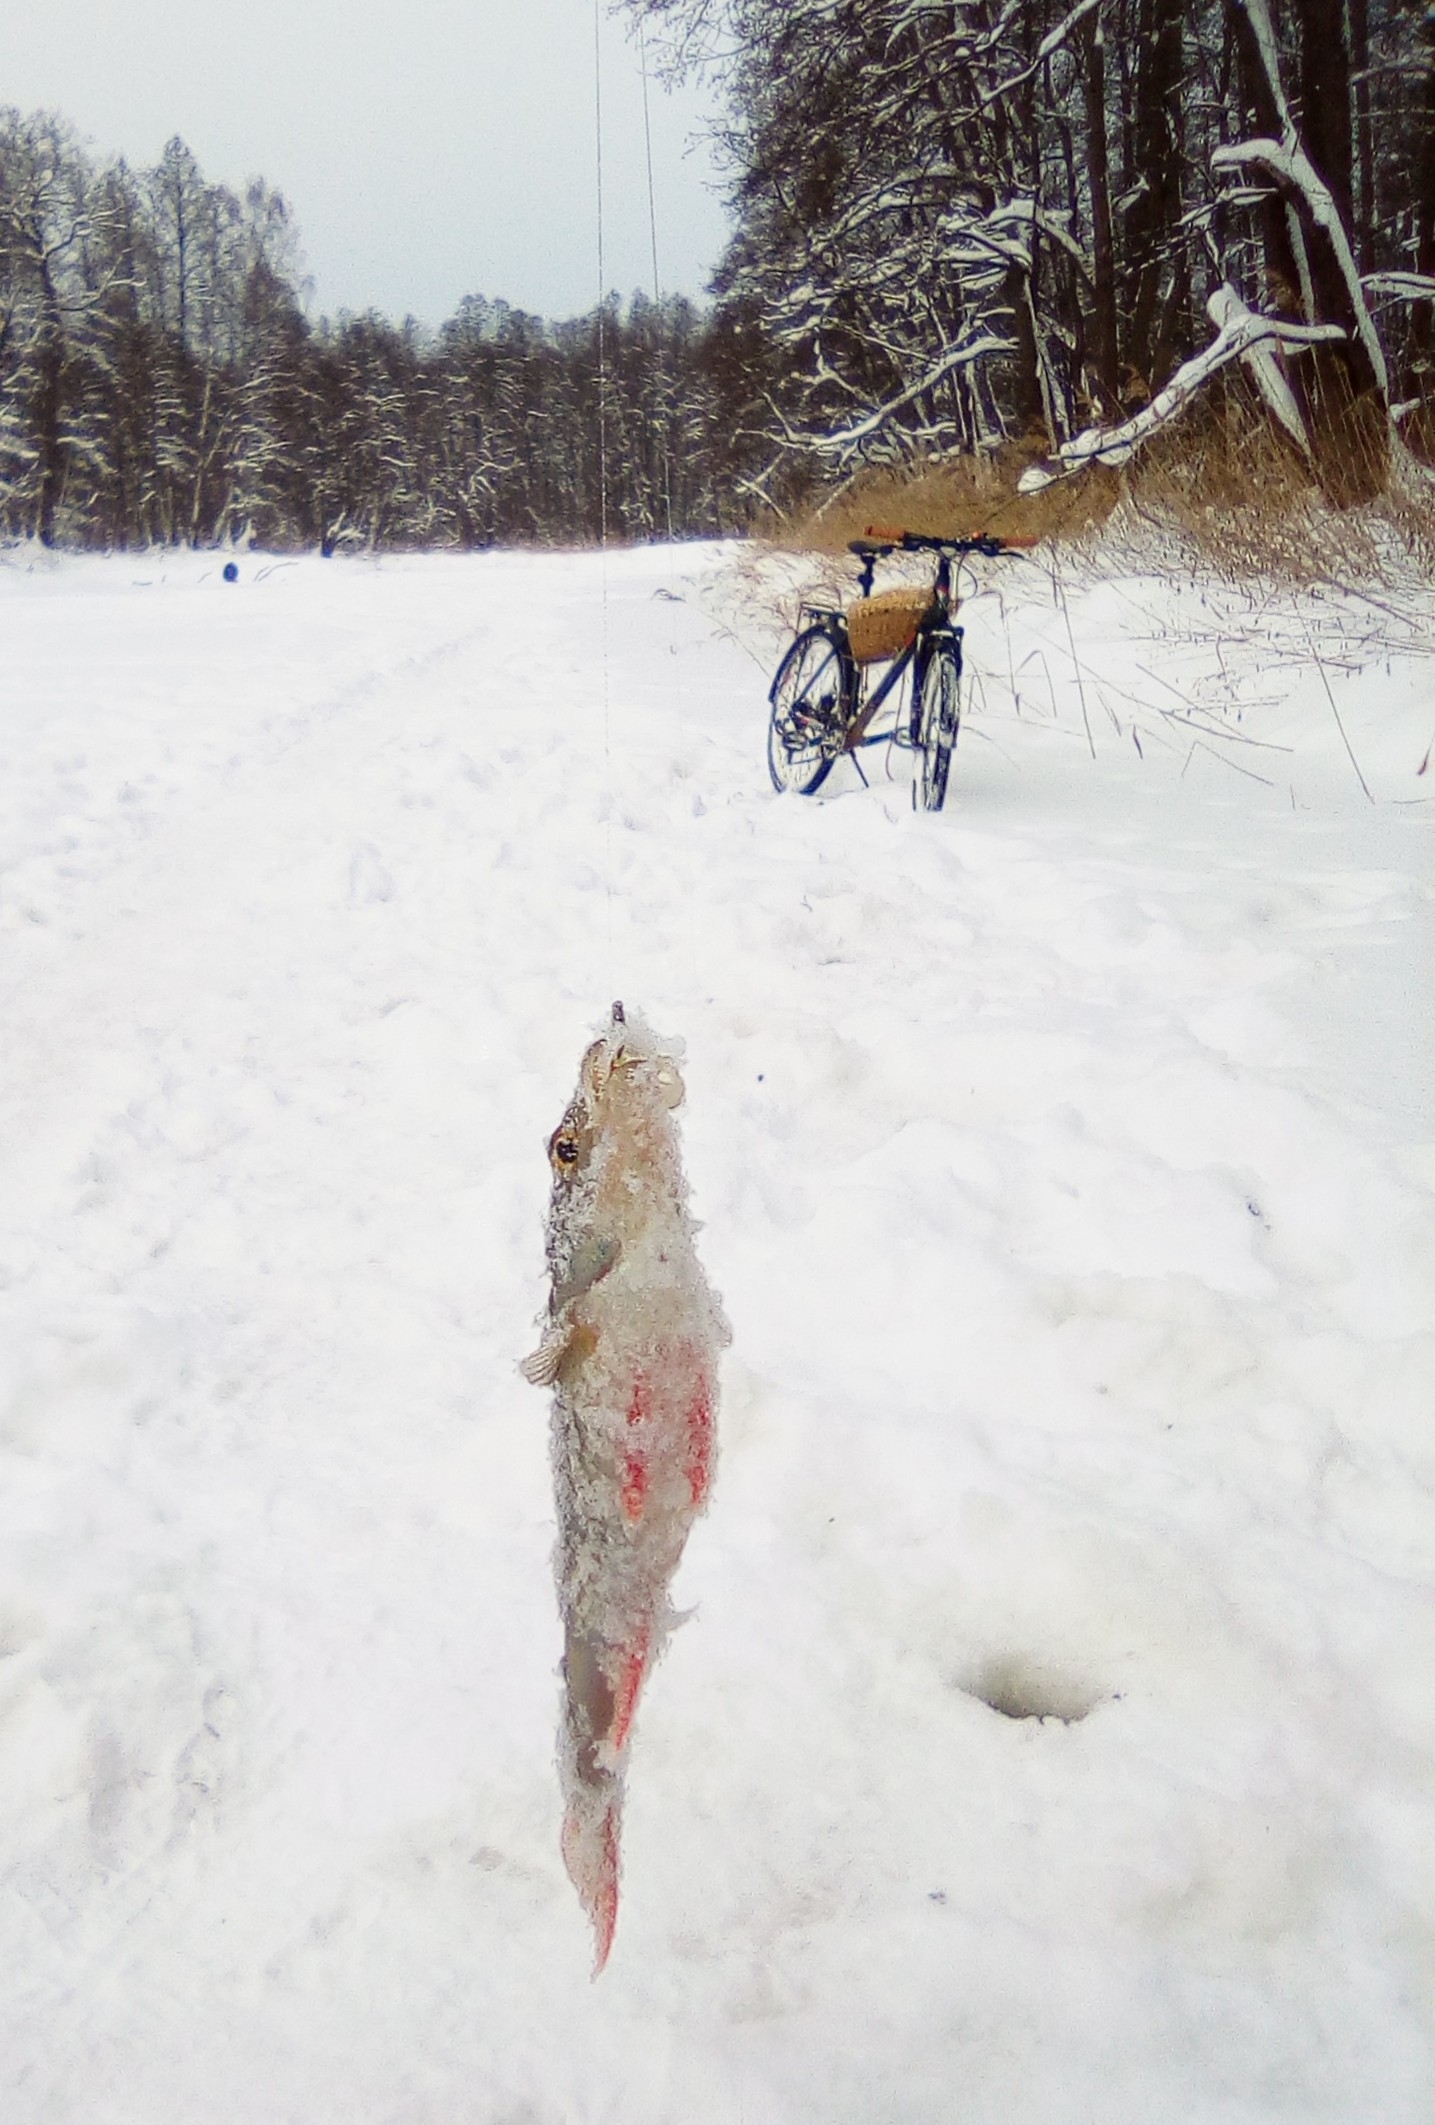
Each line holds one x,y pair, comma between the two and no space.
591,1831
541,1367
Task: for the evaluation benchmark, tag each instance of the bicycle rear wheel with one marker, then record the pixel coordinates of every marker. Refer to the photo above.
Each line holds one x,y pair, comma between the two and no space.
809,711
938,720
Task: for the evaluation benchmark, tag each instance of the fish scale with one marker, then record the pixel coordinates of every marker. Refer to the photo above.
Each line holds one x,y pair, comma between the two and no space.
630,1348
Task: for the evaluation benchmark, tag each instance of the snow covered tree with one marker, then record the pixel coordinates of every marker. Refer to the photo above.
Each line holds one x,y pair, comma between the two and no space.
56,269
958,224
160,382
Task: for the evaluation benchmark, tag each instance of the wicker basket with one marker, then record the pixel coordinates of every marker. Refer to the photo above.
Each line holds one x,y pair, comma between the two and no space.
883,625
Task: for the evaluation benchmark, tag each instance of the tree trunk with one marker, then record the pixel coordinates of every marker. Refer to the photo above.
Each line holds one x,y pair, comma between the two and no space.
1103,256
1336,386
1423,318
1363,213
1325,97
1282,292
1151,222
45,402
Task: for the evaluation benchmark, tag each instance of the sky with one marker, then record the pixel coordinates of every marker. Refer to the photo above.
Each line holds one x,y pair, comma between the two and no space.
429,150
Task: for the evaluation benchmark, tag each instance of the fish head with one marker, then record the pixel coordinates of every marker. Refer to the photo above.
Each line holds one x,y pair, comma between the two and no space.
626,1066
614,1163
614,1155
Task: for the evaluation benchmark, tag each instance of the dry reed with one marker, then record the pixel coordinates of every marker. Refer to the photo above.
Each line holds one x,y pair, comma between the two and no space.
1220,489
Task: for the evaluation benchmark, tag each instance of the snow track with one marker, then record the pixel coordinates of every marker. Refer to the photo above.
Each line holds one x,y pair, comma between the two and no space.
1054,1739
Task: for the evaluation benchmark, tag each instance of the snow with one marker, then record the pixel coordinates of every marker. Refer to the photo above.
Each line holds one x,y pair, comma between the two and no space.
1066,1167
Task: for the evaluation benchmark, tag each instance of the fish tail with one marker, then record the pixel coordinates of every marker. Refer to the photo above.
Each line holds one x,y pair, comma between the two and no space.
591,1833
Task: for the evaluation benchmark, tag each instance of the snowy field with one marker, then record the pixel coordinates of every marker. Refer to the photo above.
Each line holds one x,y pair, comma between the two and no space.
1054,1739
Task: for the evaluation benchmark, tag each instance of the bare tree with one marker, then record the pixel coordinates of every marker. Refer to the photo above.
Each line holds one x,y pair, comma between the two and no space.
954,225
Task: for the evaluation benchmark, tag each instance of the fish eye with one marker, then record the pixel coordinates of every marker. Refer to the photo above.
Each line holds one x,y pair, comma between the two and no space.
565,1150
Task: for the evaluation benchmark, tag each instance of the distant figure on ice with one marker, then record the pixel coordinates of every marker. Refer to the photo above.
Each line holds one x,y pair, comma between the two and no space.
630,1347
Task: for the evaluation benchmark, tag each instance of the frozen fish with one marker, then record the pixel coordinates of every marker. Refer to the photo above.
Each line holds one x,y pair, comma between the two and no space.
630,1348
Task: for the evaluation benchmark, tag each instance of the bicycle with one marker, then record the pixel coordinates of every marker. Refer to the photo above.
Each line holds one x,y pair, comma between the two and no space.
821,705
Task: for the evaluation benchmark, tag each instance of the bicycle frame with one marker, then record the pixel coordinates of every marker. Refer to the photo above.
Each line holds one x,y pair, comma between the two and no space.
914,658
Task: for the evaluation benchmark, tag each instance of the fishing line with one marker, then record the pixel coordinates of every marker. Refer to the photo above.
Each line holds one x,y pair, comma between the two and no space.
602,279
603,468
603,386
648,149
653,238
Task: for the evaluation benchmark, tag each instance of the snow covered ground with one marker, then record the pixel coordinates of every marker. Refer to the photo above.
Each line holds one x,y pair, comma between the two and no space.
1066,1164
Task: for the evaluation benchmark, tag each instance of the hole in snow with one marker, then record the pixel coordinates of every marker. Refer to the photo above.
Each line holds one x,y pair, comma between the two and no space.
1029,1689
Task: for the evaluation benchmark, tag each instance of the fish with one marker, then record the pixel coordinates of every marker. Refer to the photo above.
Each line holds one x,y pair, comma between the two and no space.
630,1347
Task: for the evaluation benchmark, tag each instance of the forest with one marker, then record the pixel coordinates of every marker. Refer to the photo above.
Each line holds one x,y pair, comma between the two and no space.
160,383
955,225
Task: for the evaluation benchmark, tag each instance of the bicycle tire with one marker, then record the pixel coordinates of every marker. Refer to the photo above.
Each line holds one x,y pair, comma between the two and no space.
939,720
809,713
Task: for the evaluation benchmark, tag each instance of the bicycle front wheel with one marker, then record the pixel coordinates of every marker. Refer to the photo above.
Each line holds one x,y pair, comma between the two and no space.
809,711
938,719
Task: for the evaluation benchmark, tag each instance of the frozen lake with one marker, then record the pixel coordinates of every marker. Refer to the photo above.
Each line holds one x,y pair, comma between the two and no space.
1054,1736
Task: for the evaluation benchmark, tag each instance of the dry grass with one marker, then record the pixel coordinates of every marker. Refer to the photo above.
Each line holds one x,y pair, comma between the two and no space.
1224,483
961,496
1419,433
1219,489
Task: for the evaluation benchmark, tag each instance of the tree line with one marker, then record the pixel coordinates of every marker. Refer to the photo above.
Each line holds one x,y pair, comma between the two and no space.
960,221
161,383
955,223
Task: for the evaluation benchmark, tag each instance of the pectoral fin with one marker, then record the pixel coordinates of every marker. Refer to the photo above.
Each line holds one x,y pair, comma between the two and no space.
541,1368
564,1343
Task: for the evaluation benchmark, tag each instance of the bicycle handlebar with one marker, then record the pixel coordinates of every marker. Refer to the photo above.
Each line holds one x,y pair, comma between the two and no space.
881,539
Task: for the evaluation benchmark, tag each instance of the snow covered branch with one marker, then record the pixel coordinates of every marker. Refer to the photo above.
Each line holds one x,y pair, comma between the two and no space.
1050,43
1242,334
1403,287
962,356
1288,163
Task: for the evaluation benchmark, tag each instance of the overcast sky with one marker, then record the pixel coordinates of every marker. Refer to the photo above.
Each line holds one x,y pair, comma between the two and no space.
430,149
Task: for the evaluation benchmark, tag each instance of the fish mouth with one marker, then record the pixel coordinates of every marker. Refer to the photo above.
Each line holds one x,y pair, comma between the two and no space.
612,1052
